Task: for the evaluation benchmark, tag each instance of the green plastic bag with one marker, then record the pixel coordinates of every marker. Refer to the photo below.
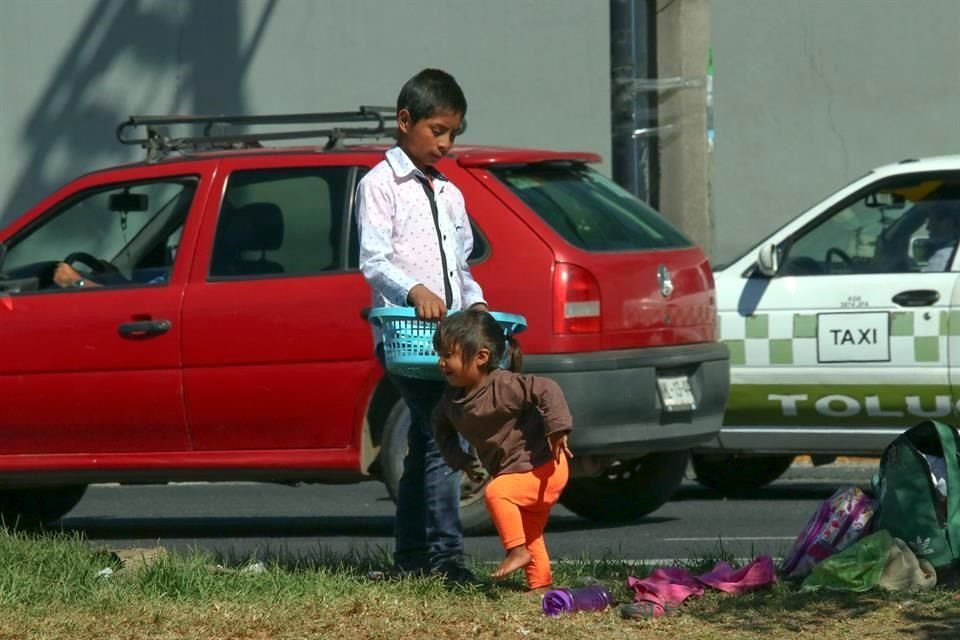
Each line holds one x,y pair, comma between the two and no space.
912,508
856,568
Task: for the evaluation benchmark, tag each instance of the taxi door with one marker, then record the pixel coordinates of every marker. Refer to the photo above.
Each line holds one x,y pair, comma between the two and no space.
851,332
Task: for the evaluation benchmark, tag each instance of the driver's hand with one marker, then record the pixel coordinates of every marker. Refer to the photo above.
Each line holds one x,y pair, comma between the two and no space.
65,275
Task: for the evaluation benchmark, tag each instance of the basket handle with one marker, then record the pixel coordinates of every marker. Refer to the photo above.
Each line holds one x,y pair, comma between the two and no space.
376,320
515,328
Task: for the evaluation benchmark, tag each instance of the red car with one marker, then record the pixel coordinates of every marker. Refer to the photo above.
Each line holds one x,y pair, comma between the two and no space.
217,331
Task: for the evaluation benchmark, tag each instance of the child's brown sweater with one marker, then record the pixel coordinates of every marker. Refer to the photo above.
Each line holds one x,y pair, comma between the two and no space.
507,420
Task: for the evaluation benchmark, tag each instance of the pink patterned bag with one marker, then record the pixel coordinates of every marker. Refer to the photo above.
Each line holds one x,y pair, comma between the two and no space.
840,521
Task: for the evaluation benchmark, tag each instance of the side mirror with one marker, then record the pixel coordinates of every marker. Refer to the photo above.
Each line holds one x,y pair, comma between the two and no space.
920,250
768,260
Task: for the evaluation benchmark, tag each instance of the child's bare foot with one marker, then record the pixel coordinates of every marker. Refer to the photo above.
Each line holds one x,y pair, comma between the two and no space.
538,591
517,558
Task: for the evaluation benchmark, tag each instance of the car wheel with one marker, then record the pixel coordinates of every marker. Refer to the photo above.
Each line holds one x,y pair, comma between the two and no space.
628,489
36,507
733,475
473,512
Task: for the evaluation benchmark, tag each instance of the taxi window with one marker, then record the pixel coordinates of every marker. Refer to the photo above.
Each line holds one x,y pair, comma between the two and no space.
911,224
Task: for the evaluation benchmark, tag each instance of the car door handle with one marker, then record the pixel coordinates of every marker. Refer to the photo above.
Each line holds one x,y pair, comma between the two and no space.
142,328
917,298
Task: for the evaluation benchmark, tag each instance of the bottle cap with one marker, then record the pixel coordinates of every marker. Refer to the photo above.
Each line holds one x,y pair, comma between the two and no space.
557,601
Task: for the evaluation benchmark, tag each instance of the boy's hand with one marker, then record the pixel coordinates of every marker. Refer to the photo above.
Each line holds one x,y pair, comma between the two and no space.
558,445
429,305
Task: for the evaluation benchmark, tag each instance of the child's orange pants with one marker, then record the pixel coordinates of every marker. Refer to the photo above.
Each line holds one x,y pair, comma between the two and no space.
519,504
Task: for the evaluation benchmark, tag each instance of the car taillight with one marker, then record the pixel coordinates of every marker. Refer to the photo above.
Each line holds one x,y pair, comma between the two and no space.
576,300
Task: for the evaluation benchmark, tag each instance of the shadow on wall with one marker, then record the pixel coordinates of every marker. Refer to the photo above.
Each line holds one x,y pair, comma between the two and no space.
192,50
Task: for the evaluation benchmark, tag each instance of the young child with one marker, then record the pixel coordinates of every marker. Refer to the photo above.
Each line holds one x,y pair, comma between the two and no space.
518,425
415,238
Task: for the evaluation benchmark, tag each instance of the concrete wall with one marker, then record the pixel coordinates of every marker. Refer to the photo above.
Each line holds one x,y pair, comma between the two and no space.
535,72
810,94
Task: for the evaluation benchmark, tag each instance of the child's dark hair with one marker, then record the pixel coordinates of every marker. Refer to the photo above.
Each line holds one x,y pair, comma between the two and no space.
430,91
475,329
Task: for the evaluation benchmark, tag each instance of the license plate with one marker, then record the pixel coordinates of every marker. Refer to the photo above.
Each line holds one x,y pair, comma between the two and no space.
676,394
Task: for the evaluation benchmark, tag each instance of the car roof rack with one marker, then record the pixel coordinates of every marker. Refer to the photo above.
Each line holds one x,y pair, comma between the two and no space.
367,122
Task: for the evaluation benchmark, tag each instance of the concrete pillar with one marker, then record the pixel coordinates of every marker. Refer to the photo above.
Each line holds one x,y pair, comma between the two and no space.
683,36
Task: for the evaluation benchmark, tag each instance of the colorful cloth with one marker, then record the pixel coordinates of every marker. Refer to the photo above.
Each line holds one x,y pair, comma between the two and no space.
723,577
667,588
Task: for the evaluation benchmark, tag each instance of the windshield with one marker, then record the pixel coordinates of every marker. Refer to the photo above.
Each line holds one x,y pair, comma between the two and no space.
590,211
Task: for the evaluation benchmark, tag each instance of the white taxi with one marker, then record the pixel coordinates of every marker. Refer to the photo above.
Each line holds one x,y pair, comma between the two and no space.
843,326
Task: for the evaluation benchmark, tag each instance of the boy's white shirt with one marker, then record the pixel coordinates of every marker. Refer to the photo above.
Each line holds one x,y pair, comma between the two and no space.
399,248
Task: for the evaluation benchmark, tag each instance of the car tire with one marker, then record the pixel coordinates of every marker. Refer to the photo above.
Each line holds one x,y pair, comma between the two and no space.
628,489
473,512
733,475
37,507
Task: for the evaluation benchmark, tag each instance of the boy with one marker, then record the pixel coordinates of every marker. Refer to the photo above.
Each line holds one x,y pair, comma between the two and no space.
415,238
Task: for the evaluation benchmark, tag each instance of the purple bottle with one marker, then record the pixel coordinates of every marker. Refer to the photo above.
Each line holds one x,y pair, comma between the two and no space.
595,597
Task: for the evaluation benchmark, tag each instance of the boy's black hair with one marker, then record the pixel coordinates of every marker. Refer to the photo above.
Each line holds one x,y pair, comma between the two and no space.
430,91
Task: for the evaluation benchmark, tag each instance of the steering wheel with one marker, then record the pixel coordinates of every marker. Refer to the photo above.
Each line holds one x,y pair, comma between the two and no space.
96,264
840,253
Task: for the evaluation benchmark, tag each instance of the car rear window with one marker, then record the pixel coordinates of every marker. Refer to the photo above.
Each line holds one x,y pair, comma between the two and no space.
590,211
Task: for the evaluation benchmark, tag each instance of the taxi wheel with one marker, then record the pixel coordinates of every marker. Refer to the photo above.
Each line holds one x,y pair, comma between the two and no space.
473,512
628,489
31,508
732,475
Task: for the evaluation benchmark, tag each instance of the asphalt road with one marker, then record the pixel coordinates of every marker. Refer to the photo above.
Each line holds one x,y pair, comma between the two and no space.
240,520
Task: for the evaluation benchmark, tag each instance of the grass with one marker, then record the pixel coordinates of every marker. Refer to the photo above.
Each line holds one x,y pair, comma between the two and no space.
50,587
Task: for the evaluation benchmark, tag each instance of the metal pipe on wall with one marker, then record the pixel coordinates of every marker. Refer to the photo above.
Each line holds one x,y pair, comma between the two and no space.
632,112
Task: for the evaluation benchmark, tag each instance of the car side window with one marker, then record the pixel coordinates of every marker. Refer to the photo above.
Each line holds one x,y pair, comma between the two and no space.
910,224
109,236
480,245
281,222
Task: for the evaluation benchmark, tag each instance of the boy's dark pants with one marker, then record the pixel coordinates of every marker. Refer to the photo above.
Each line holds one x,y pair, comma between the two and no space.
427,525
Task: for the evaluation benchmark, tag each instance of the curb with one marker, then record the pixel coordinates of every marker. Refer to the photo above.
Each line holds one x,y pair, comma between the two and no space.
853,461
